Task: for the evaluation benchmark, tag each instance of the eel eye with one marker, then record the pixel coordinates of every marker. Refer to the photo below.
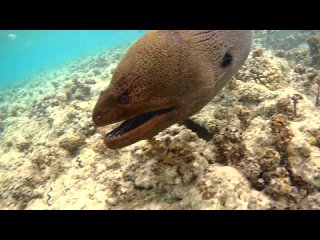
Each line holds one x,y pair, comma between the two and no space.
227,60
124,99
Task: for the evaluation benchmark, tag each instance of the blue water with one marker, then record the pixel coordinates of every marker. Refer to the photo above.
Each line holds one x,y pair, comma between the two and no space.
24,53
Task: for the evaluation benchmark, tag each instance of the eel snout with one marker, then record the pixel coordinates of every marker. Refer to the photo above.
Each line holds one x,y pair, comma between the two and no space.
103,114
139,127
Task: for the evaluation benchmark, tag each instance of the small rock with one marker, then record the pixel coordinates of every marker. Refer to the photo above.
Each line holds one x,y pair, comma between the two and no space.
72,143
111,201
23,144
90,81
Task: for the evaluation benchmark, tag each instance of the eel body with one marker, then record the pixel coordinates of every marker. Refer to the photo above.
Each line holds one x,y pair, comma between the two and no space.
165,77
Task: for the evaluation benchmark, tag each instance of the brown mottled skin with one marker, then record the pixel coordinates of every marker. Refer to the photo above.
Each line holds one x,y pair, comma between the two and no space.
174,68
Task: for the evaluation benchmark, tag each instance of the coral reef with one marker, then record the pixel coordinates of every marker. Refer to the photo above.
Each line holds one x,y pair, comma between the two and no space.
166,172
263,69
295,56
290,45
21,194
169,156
304,168
282,134
311,202
281,39
225,188
314,45
256,145
229,146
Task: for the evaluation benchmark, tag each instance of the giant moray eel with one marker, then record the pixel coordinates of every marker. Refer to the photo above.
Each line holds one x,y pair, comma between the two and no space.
165,77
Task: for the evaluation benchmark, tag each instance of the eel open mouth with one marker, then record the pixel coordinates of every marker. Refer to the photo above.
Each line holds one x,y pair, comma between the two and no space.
133,123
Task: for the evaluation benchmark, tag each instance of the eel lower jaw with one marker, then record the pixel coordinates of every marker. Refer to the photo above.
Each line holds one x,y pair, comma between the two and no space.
138,128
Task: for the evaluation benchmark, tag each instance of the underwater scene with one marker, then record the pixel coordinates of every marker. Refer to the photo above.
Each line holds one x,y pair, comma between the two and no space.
160,120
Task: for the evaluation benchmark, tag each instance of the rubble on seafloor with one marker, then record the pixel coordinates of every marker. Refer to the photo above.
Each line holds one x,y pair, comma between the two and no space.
264,152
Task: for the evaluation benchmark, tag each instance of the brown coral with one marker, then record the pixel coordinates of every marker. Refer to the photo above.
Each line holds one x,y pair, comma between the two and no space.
317,136
283,105
270,160
282,134
261,167
286,195
252,171
229,146
244,117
